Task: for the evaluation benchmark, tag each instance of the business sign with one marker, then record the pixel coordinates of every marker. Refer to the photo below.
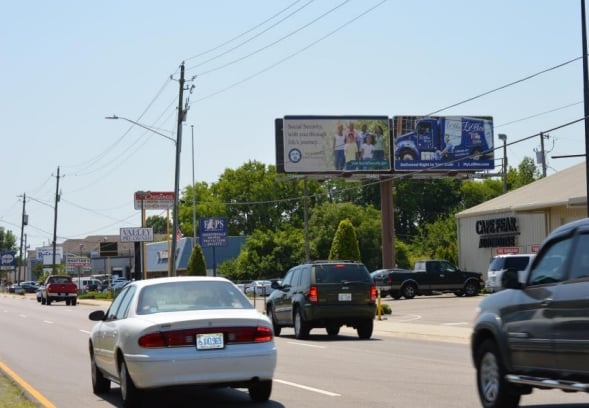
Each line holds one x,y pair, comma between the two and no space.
154,200
443,143
136,234
46,253
333,144
213,232
77,261
8,259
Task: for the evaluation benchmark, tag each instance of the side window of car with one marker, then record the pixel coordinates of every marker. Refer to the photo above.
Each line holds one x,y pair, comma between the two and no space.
114,306
580,261
123,310
296,277
288,278
550,267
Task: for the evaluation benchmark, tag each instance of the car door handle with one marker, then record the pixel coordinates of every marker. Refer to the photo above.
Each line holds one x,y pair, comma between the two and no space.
546,302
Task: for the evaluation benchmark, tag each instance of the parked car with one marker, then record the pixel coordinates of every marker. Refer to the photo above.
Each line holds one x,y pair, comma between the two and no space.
535,334
28,287
259,288
500,263
16,289
383,280
327,294
181,331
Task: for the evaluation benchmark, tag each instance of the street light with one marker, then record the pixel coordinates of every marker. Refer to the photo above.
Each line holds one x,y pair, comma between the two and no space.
503,137
176,186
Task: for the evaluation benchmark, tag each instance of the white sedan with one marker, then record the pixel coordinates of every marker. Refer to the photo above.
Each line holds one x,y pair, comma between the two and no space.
181,331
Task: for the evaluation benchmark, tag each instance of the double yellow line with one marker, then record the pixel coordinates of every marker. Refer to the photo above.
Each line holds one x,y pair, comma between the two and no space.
44,402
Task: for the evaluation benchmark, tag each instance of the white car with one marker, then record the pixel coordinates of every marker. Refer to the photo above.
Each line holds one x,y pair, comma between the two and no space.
181,331
259,288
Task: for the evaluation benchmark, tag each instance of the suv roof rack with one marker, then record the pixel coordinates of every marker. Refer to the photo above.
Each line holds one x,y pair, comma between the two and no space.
333,261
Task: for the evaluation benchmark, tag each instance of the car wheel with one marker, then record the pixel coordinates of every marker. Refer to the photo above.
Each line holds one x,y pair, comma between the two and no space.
459,293
395,295
67,302
365,328
260,391
471,288
301,328
494,390
48,302
332,330
74,302
129,393
275,325
409,291
100,384
407,155
43,301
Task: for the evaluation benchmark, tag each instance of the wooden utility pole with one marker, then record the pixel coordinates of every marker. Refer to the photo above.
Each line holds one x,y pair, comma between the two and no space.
55,222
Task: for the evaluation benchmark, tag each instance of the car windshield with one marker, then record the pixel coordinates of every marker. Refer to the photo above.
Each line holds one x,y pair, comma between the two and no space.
191,295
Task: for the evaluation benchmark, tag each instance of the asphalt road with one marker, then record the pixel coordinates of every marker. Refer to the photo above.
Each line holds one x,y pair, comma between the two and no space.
418,357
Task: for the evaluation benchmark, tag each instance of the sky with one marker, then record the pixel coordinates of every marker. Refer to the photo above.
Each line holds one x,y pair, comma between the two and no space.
66,65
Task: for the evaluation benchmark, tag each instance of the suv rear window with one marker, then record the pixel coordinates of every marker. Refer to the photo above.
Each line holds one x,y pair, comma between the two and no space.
336,273
518,263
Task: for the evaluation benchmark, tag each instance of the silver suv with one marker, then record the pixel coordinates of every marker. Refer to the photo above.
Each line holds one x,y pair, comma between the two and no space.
500,264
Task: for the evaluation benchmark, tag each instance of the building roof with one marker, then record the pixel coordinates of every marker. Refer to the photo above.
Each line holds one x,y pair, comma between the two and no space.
564,188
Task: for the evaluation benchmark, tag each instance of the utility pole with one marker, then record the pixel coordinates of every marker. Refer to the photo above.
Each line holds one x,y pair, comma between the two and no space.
181,118
543,153
22,235
585,93
55,221
193,192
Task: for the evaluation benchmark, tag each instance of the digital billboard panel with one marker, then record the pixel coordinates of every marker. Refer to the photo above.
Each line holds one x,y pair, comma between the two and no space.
333,144
442,143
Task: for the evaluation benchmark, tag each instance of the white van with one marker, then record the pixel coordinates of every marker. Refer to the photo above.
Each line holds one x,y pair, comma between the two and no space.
87,283
500,264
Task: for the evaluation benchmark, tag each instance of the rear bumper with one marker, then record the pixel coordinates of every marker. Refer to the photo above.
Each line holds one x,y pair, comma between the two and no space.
344,314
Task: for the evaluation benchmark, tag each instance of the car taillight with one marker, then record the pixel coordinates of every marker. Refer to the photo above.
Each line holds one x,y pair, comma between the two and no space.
313,294
373,293
183,338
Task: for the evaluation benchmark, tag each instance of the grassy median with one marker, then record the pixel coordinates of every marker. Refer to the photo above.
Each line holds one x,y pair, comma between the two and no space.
11,396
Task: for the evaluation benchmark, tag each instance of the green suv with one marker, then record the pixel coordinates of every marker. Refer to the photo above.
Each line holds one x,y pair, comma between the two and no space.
327,294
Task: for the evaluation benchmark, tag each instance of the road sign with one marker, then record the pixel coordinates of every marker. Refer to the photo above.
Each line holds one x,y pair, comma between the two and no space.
213,232
136,234
8,260
154,200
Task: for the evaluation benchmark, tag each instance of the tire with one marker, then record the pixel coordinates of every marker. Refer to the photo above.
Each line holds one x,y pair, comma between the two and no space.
407,155
459,293
494,391
43,301
67,302
129,393
301,328
332,330
395,295
365,328
471,288
74,302
100,385
260,391
48,302
276,327
409,290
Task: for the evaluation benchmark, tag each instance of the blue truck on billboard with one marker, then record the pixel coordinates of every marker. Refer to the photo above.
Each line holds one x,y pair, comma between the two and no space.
463,143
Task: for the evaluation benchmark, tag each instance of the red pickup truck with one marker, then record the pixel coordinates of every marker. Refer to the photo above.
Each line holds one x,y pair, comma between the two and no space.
58,288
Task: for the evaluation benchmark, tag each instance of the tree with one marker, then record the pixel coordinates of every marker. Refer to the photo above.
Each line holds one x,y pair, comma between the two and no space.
158,223
526,173
345,243
475,192
438,240
196,264
7,240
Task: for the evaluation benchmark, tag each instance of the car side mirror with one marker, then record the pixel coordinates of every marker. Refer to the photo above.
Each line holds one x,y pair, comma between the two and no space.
510,279
275,285
97,315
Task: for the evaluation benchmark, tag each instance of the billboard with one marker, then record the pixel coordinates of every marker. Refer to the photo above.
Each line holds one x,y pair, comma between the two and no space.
153,200
8,260
213,232
442,143
333,144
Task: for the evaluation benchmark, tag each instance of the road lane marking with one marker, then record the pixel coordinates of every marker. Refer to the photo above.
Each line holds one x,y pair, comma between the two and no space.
304,387
47,321
410,319
28,388
455,324
305,345
85,331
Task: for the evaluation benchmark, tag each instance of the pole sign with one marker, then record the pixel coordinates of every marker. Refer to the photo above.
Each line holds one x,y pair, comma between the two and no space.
213,232
8,260
136,234
154,200
75,261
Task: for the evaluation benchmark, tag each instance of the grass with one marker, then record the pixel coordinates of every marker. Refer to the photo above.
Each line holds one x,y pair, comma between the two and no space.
11,396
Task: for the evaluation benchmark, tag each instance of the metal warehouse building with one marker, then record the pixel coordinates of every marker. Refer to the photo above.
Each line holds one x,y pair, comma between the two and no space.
518,221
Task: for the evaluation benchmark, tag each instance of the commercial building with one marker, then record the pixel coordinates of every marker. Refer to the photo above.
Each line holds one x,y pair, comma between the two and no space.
518,221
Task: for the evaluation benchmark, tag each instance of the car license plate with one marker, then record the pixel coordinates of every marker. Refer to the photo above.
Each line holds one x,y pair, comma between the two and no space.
344,297
208,341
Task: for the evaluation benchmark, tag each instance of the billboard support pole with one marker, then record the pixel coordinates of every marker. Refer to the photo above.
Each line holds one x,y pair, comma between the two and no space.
387,223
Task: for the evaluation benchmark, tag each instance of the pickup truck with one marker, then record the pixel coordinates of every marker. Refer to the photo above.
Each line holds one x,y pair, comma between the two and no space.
59,288
534,335
433,275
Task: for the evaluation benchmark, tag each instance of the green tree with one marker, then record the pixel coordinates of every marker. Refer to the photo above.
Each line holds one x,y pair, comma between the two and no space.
207,205
7,240
196,264
437,240
475,192
345,243
158,223
526,173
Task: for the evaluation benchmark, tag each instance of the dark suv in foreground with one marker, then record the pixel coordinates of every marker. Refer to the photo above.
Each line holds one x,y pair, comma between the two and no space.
324,294
536,334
